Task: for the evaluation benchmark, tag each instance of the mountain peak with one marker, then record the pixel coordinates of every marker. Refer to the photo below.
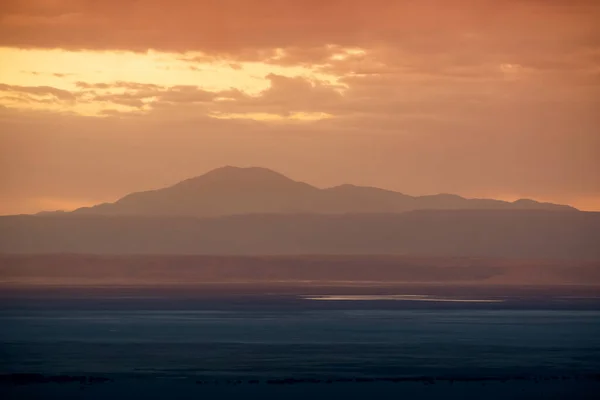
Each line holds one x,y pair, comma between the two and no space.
233,190
529,203
238,175
231,169
244,172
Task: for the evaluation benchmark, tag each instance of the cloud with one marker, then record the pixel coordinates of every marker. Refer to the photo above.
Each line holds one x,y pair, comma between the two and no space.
117,84
191,94
38,91
245,26
284,96
480,98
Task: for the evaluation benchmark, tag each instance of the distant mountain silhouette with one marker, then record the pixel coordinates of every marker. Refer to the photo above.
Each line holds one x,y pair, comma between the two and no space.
233,190
256,211
537,234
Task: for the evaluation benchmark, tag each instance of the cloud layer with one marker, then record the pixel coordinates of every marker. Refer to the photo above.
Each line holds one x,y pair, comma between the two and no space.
480,98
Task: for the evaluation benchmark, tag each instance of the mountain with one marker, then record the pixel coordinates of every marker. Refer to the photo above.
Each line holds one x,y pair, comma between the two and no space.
256,211
233,190
511,234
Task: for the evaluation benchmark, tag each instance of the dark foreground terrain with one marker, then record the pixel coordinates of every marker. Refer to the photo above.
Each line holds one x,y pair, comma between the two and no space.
283,340
426,389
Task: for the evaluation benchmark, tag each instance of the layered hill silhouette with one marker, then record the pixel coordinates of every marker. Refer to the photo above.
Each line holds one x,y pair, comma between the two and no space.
232,190
532,234
255,211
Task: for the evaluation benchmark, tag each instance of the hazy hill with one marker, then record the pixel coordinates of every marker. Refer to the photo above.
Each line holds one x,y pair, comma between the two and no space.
256,211
469,233
231,190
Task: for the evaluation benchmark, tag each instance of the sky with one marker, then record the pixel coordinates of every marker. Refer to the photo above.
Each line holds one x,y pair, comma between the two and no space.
482,98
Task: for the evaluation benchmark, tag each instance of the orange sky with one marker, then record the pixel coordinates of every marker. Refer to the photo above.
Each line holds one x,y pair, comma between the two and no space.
476,97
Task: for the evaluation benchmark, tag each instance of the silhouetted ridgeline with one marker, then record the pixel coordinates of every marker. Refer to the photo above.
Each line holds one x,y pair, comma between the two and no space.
232,190
465,233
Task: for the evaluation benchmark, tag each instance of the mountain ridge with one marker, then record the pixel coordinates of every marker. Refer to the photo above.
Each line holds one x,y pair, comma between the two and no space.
256,190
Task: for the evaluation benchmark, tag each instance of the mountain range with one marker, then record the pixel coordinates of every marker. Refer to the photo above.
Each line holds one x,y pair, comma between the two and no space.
233,190
255,211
